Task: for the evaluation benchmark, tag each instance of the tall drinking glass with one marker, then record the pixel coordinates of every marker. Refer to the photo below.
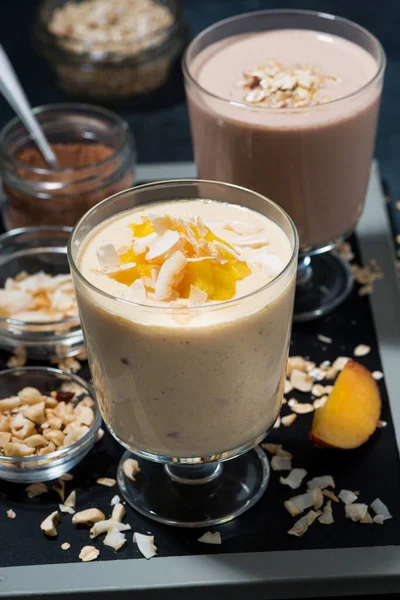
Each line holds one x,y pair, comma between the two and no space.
304,139
186,389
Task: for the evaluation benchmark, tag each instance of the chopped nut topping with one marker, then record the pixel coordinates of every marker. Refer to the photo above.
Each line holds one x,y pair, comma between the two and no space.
301,381
89,553
88,517
48,526
275,86
131,468
36,489
65,546
32,423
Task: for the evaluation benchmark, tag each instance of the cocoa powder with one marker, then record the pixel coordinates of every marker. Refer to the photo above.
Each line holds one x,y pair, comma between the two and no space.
88,173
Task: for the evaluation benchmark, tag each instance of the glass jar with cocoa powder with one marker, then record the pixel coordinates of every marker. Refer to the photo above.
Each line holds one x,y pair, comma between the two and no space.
96,156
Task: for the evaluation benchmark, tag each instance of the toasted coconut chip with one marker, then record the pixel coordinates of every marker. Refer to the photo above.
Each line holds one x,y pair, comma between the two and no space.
318,390
329,494
115,539
272,448
296,362
356,511
288,420
347,496
71,499
197,297
281,463
288,387
366,518
210,537
131,468
89,553
294,479
327,515
380,508
107,481
107,525
66,509
169,271
137,292
362,350
301,526
377,375
379,519
324,339
320,402
145,544
11,514
118,512
163,245
302,408
108,256
301,381
298,504
321,482
36,489
115,500
340,363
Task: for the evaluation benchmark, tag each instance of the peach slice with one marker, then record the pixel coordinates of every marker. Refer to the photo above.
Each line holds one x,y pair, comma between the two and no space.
351,413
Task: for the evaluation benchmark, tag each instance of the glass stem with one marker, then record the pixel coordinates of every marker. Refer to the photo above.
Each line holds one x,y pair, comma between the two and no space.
194,474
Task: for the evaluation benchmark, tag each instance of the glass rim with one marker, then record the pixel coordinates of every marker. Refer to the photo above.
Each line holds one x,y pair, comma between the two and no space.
66,106
177,309
59,453
323,16
37,326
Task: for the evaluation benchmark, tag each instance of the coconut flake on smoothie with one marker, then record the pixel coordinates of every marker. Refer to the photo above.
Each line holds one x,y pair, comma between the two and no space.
188,260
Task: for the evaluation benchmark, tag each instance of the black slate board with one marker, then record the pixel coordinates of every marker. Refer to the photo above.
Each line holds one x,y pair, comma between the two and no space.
373,469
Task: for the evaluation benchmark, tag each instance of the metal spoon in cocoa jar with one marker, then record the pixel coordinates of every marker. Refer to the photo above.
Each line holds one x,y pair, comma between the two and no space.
12,90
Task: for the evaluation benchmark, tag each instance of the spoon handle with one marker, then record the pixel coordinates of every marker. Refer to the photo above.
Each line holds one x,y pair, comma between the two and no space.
11,89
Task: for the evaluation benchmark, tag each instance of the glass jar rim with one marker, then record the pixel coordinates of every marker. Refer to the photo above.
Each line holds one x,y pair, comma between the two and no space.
66,107
26,460
178,309
294,12
108,46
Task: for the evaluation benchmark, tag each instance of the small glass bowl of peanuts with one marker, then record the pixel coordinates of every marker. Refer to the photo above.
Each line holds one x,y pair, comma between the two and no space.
49,421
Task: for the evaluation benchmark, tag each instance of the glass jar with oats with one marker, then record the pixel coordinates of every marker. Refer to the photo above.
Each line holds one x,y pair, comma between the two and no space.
96,157
110,50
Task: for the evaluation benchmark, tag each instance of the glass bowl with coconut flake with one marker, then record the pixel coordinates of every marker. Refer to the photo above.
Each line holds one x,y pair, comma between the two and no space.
49,421
38,312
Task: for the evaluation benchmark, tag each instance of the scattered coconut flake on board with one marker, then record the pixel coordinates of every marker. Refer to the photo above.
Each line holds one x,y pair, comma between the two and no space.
294,479
301,526
298,504
146,545
281,463
302,408
329,494
115,500
114,539
324,339
377,375
366,518
272,448
65,546
356,511
288,387
288,420
130,468
301,381
106,481
319,402
210,537
321,482
36,489
381,424
347,496
362,350
11,514
327,515
277,423
380,508
340,363
89,553
379,519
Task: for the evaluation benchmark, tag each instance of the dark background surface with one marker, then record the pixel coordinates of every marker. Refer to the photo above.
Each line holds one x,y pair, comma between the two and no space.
161,127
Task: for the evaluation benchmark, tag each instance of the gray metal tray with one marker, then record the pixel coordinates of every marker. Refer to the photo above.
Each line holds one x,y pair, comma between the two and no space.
365,568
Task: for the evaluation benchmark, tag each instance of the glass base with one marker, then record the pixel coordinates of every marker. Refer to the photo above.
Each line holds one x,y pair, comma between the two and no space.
323,282
196,496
